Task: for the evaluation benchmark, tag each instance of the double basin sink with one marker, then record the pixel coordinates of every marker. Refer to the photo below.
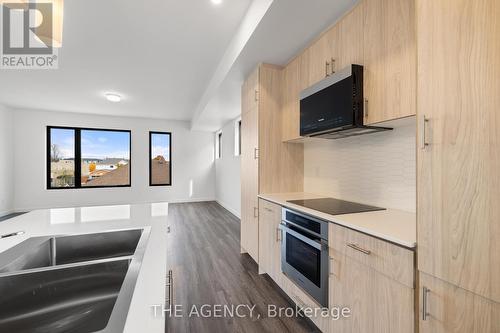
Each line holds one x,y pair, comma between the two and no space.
70,283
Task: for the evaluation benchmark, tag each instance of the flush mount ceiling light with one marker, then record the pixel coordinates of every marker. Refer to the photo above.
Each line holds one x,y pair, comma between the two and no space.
216,2
50,36
115,98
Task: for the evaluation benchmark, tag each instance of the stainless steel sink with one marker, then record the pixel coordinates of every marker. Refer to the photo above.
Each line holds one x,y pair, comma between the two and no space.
74,299
86,285
39,252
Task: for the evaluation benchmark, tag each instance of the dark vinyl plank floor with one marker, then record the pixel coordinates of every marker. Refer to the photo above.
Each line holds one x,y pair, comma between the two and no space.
208,269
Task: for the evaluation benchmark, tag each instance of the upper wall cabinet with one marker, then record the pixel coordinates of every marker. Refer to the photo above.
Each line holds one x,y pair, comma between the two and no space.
378,34
337,48
320,59
350,38
389,59
291,107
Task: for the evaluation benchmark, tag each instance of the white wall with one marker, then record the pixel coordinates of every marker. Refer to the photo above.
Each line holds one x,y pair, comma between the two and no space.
6,162
192,160
377,169
227,173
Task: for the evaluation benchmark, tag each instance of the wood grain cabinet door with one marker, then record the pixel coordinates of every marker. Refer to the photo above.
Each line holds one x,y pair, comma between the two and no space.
291,101
389,59
350,40
265,239
458,161
269,238
450,309
320,59
250,92
254,84
249,183
377,303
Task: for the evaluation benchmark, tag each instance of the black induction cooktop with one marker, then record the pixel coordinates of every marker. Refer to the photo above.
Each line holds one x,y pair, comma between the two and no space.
335,206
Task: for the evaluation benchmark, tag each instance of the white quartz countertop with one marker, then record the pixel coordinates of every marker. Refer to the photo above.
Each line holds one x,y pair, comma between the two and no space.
150,286
396,226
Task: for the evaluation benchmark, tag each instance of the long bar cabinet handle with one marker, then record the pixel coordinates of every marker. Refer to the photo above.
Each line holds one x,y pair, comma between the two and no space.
423,132
425,312
358,248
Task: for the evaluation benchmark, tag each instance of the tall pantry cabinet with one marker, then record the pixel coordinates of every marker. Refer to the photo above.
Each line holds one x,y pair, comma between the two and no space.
267,164
458,108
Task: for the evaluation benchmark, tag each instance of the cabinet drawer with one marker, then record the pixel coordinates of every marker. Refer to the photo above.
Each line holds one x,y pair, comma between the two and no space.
378,303
391,260
267,207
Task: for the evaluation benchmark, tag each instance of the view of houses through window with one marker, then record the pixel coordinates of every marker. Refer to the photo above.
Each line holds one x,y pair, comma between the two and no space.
62,157
88,158
160,168
105,158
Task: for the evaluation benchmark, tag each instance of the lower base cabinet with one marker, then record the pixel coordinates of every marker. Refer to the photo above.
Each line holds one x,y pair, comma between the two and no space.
377,303
450,309
269,239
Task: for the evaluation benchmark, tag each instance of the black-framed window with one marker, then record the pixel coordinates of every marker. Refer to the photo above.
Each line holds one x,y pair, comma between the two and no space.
160,158
219,145
238,138
88,157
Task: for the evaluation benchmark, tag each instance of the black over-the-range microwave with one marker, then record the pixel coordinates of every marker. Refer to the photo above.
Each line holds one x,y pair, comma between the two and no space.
334,107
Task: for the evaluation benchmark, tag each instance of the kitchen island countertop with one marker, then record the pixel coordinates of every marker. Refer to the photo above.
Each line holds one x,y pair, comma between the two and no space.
149,290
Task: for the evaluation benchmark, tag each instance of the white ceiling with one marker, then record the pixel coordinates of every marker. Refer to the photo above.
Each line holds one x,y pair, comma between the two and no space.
286,29
158,54
181,60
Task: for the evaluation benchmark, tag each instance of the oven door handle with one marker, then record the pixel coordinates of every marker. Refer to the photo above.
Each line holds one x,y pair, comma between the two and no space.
295,225
316,244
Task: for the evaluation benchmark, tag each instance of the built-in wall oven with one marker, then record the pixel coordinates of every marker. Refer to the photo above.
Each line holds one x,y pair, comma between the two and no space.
304,253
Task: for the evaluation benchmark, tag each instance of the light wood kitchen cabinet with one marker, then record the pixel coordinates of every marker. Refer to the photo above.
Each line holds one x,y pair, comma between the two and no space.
268,165
281,165
350,38
372,277
377,302
458,161
250,183
392,260
291,101
269,239
250,92
449,309
389,59
378,34
320,59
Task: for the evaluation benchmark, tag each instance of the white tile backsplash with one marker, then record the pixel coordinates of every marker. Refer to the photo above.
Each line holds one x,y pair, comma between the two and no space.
377,169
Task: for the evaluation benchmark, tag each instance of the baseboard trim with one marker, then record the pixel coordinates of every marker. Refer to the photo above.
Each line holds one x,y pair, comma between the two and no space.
6,212
228,208
25,209
191,200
